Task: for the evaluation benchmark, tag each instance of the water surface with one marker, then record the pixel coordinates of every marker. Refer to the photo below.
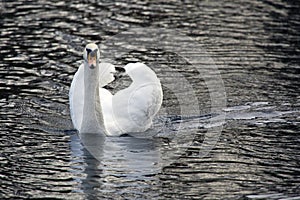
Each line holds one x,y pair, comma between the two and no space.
254,45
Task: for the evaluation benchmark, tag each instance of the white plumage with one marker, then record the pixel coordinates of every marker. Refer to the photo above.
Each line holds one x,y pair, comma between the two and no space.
129,110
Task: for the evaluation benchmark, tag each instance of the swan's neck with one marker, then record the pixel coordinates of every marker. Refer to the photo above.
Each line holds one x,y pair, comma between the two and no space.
92,119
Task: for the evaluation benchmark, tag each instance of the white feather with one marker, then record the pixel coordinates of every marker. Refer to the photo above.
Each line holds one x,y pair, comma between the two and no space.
129,110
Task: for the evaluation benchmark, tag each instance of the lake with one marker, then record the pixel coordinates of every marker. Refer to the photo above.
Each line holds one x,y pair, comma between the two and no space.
228,127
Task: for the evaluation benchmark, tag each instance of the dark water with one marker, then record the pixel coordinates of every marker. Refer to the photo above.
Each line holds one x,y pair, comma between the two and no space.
254,44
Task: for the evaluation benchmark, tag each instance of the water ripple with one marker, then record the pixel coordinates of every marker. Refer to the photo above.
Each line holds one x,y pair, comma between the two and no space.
255,46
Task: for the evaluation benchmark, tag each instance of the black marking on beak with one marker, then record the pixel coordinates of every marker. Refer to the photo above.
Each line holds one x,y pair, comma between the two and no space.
94,53
88,50
91,52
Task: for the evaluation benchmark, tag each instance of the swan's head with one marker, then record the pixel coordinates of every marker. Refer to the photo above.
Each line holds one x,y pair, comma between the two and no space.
91,55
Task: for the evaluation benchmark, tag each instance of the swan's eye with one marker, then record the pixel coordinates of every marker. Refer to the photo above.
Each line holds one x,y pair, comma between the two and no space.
88,50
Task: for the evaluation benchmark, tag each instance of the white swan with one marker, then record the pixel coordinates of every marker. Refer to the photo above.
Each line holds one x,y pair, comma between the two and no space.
95,110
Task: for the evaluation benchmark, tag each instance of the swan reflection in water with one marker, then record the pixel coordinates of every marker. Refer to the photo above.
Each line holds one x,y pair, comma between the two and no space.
113,162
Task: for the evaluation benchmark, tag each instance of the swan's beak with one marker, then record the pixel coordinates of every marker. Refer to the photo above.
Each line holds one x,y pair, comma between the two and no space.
92,59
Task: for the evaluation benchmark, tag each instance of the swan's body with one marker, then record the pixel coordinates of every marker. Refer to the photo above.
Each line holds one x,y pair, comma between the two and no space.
95,110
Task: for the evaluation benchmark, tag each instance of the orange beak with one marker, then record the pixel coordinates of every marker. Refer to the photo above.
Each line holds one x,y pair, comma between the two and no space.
92,60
